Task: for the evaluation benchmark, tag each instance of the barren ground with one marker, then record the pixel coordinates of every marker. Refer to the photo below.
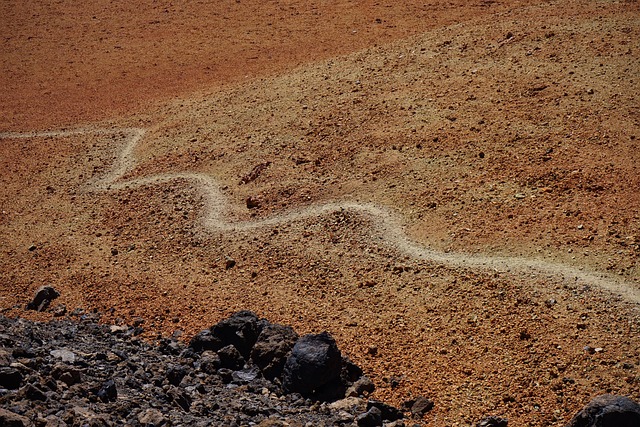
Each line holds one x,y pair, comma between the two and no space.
453,184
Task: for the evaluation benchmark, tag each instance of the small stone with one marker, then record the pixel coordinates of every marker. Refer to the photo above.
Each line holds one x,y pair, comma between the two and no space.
175,374
389,413
421,406
43,297
151,418
32,392
252,203
272,348
205,341
240,330
362,387
67,374
229,262
32,248
371,418
180,398
372,350
520,196
230,358
60,310
245,375
11,419
108,392
64,355
10,378
492,421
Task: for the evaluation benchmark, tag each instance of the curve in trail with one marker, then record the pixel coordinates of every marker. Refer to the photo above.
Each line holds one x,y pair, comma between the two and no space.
386,224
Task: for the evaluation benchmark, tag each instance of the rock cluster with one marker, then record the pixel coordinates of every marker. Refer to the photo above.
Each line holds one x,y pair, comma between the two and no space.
241,371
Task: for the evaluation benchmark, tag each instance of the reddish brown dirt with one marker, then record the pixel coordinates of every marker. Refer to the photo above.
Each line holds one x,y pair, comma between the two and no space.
490,130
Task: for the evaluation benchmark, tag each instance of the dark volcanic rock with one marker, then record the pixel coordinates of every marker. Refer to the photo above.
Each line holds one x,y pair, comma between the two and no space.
272,348
43,298
108,392
175,374
230,358
388,412
32,392
82,373
493,421
371,418
608,411
315,361
10,378
204,341
421,406
240,330
67,374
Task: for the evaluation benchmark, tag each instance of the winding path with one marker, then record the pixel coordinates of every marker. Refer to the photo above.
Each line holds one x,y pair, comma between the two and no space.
386,224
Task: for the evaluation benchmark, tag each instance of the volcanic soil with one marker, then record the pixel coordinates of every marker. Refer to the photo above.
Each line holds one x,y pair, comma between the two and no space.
449,188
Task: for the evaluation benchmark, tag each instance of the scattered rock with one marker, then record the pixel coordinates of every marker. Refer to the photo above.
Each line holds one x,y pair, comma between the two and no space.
108,392
608,411
151,418
43,297
229,263
11,419
10,378
421,406
180,398
60,310
32,392
175,374
371,418
66,356
252,203
362,387
67,374
389,413
492,421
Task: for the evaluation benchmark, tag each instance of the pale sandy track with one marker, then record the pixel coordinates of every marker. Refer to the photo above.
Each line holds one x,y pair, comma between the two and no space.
387,226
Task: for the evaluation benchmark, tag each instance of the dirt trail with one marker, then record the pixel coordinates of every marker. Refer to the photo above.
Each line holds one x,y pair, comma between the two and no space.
388,227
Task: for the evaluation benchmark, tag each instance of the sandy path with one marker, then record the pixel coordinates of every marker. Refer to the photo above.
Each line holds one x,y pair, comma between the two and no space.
387,226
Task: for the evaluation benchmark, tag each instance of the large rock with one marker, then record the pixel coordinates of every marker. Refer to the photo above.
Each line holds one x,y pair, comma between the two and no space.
315,362
43,298
240,330
608,411
274,345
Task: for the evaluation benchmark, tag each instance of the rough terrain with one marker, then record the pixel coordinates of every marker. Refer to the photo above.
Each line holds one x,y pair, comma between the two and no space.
451,190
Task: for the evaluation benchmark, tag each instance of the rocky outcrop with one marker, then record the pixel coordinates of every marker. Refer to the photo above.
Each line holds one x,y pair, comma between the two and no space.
232,374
